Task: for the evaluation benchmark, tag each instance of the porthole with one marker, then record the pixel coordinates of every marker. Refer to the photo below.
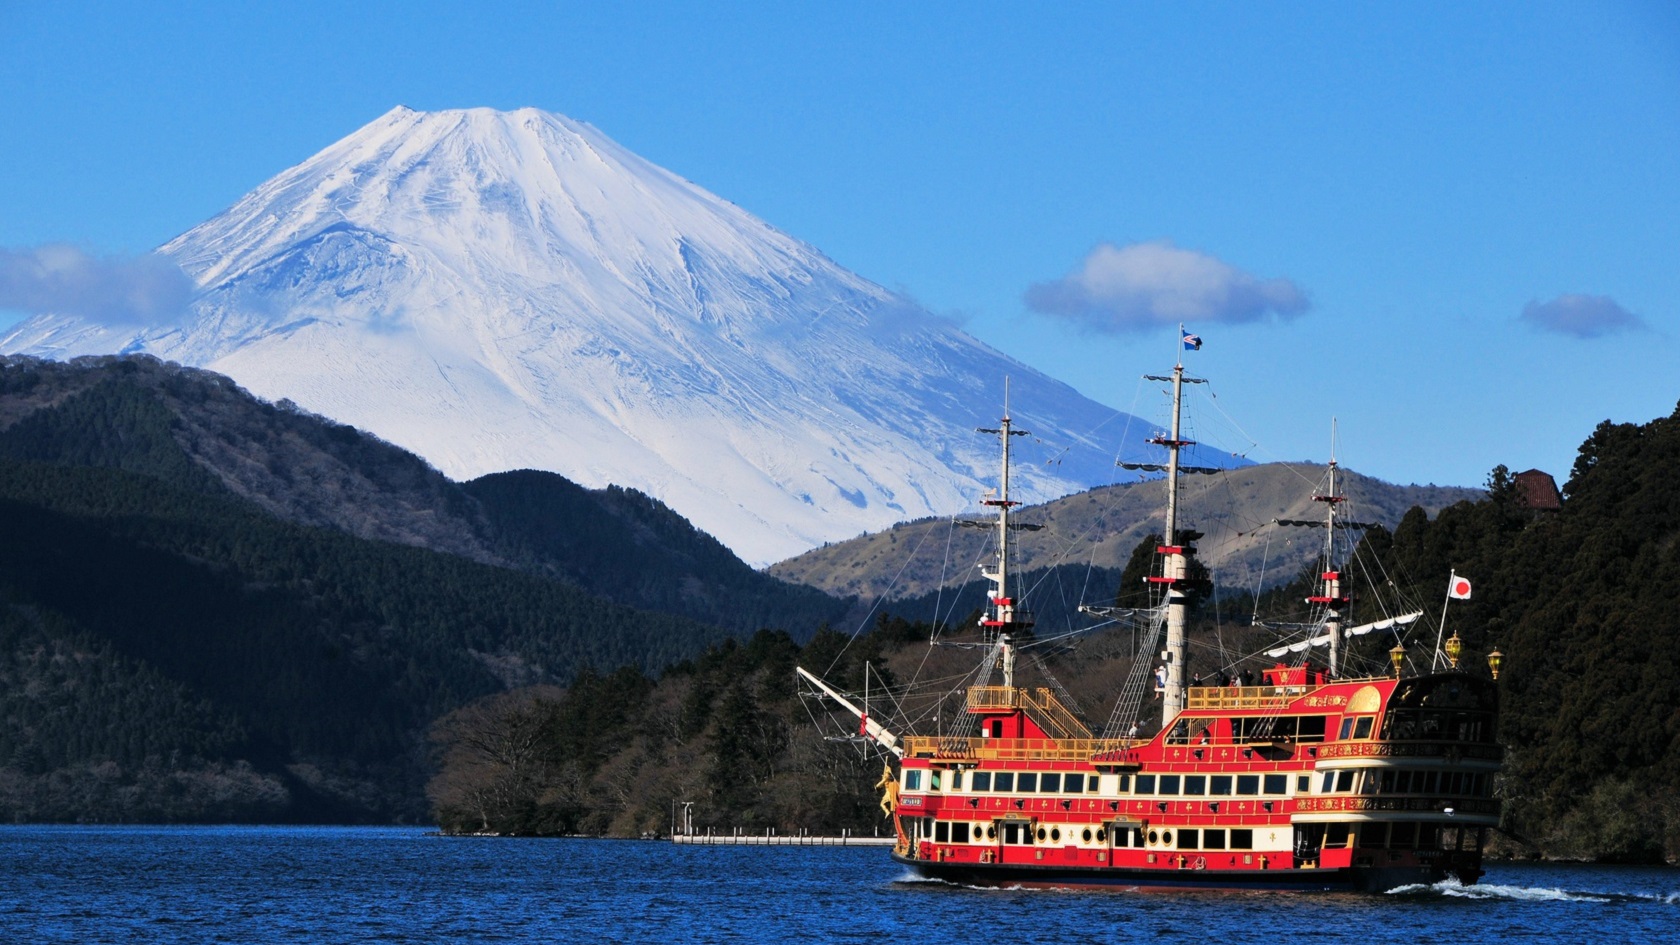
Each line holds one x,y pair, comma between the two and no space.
991,832
1086,836
1055,834
1102,835
1154,838
1166,838
1041,834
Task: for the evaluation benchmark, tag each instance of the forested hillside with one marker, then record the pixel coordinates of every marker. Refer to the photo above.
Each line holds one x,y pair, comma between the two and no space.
174,648
200,431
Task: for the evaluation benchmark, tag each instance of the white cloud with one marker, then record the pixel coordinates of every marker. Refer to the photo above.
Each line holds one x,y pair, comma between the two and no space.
64,280
1148,285
1583,316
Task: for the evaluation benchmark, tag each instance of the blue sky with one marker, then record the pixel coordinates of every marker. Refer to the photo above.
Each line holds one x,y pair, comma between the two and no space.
1454,227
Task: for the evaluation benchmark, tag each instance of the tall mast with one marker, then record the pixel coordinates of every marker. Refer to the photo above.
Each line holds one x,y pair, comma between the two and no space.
1174,556
1000,611
1331,594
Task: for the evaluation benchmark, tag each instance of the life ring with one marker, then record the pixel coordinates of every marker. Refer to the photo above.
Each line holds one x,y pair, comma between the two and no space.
1200,863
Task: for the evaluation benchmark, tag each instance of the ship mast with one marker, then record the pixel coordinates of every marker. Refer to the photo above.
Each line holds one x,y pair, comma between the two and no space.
1331,593
1000,609
1174,556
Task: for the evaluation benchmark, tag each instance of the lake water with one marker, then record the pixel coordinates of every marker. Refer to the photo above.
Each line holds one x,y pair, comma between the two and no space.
278,885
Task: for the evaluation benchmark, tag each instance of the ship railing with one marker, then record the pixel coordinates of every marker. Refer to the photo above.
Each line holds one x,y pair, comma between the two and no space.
1452,751
1257,697
998,698
1459,805
1243,697
1046,711
1015,749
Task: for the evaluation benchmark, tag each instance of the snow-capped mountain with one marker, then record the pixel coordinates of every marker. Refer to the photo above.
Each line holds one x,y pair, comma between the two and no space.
498,290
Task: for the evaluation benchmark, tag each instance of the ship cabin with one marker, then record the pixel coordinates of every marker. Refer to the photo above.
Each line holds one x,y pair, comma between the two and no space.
1298,773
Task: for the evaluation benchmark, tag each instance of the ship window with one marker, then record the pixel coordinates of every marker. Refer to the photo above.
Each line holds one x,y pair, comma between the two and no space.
1154,837
1368,781
1213,839
1329,783
933,780
1125,784
959,833
1336,836
1347,728
1431,782
1026,782
991,832
1402,782
1402,837
1303,784
1145,784
1372,836
1277,784
1055,835
1363,729
982,781
1041,835
1091,783
1195,784
1003,781
1219,784
1248,785
1189,839
1344,781
1050,783
1169,784
1388,780
1086,836
956,780
1242,839
912,780
1166,838
941,832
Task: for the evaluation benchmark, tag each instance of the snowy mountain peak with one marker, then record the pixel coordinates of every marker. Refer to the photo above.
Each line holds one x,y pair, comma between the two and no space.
496,290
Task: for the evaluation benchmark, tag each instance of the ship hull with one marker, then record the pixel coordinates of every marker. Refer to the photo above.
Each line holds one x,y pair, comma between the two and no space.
1350,879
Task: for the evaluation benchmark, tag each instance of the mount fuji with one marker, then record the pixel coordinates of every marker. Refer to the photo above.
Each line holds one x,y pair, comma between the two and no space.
501,290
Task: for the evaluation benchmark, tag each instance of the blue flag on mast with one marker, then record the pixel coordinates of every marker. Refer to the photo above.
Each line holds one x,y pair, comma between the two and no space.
1191,342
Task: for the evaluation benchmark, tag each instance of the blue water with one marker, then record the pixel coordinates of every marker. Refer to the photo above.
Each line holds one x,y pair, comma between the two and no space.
278,885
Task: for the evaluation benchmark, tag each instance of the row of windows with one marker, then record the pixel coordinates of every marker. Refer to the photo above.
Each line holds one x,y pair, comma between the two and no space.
1403,781
1439,724
1017,833
1209,785
1009,782
1343,781
1162,785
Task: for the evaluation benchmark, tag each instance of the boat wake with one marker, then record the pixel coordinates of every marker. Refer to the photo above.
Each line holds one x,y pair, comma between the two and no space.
1453,889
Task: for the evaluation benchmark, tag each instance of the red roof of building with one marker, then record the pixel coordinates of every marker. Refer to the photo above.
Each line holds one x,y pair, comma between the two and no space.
1537,490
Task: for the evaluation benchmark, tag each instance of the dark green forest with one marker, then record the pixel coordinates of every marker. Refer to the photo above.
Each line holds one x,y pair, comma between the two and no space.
172,650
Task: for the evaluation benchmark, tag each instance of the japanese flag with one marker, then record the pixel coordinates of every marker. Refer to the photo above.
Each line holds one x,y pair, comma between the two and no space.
1458,588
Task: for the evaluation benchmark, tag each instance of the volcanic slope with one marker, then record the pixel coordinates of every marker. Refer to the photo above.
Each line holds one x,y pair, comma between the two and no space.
1236,509
504,290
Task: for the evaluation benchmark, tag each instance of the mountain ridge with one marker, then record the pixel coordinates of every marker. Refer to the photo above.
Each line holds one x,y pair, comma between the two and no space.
504,290
1100,527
